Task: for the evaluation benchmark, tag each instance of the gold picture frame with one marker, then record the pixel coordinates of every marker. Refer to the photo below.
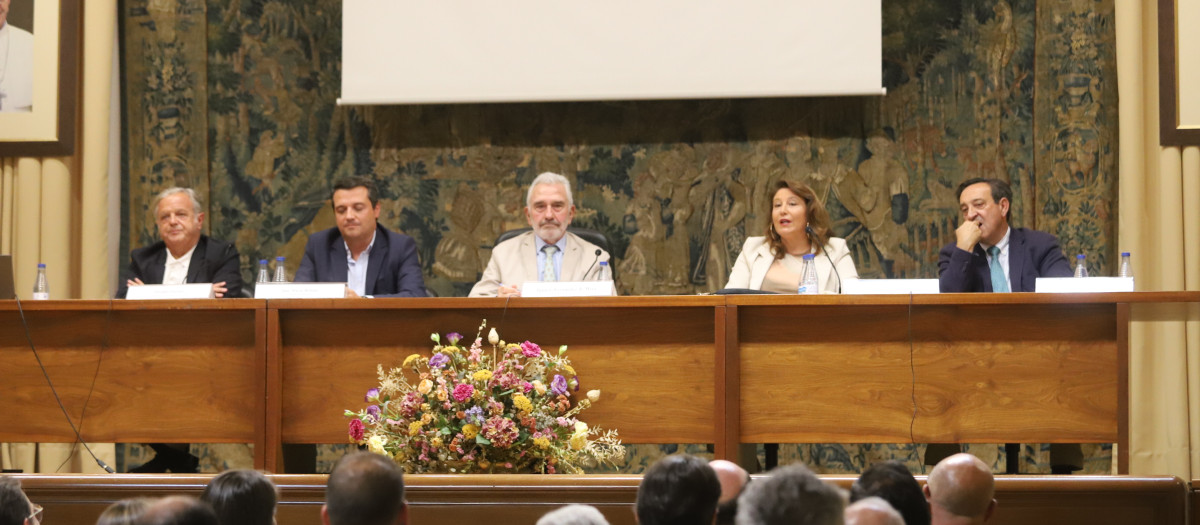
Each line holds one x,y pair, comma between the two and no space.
49,129
1176,129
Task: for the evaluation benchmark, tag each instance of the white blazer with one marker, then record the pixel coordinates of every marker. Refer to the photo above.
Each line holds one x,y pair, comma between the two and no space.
756,258
515,261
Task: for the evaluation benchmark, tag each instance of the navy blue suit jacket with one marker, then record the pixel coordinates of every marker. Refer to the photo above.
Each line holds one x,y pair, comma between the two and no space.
393,269
1031,254
213,261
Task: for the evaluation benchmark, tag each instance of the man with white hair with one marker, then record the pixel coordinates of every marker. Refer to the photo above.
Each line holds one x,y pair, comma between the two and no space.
184,255
961,491
549,252
573,515
873,511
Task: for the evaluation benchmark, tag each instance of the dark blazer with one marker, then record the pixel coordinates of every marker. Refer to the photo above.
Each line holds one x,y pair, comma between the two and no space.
393,269
212,262
1031,254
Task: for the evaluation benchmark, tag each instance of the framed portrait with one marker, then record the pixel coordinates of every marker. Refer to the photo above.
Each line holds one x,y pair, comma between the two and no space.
39,77
1179,72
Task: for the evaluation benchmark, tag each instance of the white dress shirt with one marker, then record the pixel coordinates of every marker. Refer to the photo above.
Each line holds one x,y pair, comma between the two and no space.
177,269
356,271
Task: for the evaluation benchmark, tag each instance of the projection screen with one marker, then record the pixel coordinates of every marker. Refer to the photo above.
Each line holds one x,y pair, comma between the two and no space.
463,51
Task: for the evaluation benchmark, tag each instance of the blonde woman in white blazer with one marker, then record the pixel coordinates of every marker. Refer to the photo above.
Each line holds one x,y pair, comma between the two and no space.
798,225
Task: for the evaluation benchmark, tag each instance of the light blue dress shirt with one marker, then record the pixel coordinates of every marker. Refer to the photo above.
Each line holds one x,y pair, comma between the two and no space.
558,256
356,271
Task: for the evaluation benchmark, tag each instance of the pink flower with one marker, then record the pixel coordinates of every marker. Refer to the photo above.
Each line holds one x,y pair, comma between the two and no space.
530,349
463,392
502,432
357,429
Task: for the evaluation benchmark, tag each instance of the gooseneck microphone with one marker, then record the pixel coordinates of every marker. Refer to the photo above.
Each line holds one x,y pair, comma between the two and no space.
594,261
812,237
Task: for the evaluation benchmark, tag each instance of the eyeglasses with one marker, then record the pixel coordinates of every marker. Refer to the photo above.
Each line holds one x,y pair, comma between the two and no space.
37,513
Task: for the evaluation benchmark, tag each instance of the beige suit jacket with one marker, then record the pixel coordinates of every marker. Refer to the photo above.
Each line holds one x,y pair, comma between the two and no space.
756,258
515,261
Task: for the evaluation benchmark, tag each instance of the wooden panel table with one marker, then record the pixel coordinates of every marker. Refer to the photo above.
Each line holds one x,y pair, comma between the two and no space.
146,371
656,359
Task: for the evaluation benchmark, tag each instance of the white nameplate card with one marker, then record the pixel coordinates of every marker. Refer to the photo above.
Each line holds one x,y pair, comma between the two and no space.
568,289
300,291
1083,284
170,291
889,286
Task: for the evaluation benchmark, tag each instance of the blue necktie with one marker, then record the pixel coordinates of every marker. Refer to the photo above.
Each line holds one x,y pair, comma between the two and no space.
999,284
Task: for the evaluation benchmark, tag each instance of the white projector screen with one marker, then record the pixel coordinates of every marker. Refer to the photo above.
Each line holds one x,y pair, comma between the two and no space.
462,51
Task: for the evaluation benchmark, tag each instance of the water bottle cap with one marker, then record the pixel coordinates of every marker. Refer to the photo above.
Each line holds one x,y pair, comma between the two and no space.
1124,254
262,261
41,265
603,263
280,258
1080,256
809,256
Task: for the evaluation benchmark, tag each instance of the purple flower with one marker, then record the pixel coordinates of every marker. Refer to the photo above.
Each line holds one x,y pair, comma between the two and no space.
438,360
558,385
371,394
454,337
475,415
373,412
530,349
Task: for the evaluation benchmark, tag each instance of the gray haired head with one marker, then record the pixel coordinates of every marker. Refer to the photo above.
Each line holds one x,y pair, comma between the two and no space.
573,515
792,495
196,207
550,178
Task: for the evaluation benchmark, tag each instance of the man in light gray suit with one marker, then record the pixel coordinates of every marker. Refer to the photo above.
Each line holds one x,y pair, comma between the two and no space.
549,252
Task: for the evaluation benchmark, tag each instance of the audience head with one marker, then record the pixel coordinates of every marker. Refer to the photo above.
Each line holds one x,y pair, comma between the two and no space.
365,489
355,202
125,512
795,209
678,490
15,507
242,497
573,515
987,202
179,510
872,511
792,495
961,489
180,217
549,206
733,479
892,481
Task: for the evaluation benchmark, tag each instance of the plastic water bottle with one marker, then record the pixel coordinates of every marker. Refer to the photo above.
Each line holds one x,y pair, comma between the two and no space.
808,276
41,289
604,274
280,270
1080,266
1126,267
263,274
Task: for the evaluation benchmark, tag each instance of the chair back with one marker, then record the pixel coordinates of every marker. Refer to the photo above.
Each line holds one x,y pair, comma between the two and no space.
589,235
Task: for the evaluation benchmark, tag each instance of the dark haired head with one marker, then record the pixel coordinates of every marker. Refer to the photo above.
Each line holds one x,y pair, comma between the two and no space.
817,218
242,497
791,495
364,489
1000,190
678,490
14,505
349,183
892,481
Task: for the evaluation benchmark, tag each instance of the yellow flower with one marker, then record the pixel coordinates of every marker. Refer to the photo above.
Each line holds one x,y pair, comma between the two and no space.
570,371
436,442
482,375
376,443
469,431
442,395
425,386
539,387
425,407
426,419
578,441
410,360
522,403
541,442
414,428
478,395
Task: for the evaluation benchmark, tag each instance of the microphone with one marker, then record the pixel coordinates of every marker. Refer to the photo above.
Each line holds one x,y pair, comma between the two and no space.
594,261
812,237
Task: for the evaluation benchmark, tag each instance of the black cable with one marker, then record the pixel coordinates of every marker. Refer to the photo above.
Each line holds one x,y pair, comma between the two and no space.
95,375
38,357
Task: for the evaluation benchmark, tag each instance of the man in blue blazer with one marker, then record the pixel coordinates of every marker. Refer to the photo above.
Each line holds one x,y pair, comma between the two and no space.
990,256
372,261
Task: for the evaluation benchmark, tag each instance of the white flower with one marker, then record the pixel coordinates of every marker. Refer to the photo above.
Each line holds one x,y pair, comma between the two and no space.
593,395
376,443
493,337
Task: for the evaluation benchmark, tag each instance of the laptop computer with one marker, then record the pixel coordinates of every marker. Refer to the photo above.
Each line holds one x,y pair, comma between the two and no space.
7,289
